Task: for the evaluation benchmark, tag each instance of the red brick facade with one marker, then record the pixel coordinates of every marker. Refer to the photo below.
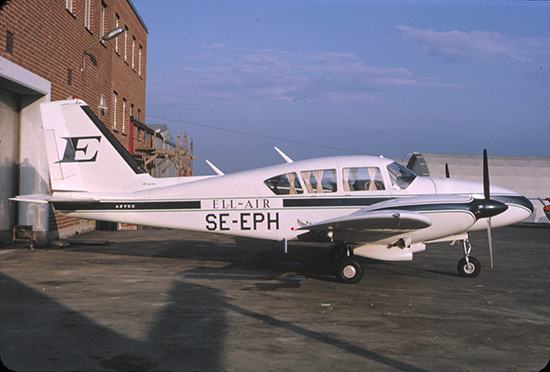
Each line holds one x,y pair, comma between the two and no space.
49,37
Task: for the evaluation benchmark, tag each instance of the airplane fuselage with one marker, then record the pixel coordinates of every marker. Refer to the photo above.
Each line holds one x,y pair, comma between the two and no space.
251,204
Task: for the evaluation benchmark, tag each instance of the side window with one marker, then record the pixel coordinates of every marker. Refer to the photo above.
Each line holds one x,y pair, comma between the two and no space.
320,181
401,177
363,179
284,184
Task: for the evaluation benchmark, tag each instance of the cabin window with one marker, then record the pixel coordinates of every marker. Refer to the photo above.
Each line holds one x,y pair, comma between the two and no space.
401,177
285,184
363,179
320,181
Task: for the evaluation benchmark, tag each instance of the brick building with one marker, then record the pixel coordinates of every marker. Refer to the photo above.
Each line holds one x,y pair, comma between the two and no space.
43,58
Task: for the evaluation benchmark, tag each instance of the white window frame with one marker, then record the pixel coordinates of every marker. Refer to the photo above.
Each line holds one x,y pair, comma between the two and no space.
117,23
102,23
139,59
123,115
134,53
126,44
88,14
115,99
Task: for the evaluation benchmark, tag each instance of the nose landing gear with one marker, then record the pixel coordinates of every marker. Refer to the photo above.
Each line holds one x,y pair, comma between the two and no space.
468,266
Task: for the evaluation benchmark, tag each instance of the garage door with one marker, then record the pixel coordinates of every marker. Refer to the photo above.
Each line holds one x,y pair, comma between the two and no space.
9,145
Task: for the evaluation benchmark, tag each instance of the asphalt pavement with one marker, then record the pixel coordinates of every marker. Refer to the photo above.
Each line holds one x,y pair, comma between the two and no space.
181,301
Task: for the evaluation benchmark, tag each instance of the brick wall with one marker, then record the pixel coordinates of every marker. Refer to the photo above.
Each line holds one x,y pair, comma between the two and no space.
49,37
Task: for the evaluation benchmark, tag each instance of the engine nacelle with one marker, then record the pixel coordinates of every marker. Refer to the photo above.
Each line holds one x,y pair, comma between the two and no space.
382,252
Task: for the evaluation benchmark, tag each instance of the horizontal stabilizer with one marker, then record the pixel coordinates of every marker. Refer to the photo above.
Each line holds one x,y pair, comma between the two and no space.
33,198
47,198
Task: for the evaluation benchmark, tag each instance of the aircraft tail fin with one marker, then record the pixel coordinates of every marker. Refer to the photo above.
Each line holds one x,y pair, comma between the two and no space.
83,155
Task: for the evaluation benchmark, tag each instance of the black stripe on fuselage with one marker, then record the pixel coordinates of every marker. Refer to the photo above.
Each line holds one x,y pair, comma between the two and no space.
287,203
126,206
366,202
331,202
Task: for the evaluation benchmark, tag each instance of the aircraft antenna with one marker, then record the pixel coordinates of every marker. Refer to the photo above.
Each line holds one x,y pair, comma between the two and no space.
285,156
215,169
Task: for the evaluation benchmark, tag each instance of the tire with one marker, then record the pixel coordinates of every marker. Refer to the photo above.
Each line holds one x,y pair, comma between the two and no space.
468,271
349,271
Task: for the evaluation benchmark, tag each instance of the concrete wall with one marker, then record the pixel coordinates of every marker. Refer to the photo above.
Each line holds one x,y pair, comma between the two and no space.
23,166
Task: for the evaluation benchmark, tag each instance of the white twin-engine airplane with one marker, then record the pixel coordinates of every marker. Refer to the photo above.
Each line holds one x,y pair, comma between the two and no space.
365,205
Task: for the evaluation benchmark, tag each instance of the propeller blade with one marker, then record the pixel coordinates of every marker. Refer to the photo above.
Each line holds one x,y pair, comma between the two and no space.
490,237
447,173
487,195
486,185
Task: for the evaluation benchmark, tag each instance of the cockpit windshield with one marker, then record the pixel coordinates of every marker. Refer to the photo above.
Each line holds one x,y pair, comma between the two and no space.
400,176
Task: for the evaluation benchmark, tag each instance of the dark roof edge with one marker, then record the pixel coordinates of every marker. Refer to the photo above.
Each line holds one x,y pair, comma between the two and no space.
137,14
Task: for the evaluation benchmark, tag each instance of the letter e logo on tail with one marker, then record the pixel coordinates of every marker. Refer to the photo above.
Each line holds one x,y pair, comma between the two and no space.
80,149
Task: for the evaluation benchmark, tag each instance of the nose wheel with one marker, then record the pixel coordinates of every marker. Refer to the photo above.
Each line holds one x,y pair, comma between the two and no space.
468,266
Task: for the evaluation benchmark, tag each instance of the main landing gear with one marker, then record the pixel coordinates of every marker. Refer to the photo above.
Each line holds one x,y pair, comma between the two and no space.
348,269
468,266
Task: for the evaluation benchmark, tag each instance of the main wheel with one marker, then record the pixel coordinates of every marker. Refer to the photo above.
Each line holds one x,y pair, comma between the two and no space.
349,271
469,270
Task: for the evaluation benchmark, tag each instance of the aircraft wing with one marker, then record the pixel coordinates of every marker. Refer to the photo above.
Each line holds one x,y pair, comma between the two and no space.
368,226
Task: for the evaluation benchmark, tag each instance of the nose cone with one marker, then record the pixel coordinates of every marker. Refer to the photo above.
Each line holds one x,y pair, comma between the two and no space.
484,208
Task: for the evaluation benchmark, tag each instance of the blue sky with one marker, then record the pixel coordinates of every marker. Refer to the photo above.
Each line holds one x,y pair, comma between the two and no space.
321,78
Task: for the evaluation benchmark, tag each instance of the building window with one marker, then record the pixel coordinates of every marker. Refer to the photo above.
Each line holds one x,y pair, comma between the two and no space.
117,25
102,22
9,42
69,6
88,14
102,104
133,53
115,99
126,44
139,59
69,77
123,115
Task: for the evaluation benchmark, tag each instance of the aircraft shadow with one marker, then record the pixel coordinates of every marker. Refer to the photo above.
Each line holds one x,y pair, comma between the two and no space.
255,256
246,258
188,334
